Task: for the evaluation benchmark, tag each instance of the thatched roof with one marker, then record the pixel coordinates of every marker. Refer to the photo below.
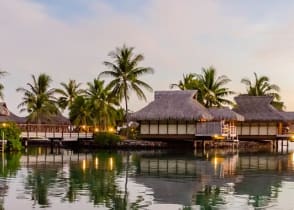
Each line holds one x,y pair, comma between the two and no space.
173,105
7,116
257,108
3,109
58,119
288,115
225,114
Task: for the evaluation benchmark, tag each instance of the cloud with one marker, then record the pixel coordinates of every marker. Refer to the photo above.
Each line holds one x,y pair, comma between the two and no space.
176,38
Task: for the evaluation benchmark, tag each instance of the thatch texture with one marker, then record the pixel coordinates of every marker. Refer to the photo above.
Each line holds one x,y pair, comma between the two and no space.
7,116
57,119
288,115
3,109
173,105
257,108
225,114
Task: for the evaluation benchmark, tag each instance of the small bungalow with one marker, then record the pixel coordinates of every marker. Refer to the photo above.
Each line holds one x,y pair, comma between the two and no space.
178,115
262,120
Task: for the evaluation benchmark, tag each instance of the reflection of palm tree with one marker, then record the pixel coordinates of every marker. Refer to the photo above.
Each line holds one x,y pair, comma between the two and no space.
39,181
262,87
125,72
69,92
38,100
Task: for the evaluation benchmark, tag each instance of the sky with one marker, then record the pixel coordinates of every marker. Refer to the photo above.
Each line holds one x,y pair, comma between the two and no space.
70,39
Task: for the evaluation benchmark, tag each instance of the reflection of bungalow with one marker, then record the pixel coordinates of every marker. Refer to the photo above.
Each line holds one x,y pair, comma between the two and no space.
262,120
178,115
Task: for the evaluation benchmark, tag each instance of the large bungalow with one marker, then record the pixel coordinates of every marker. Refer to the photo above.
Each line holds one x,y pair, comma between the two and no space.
178,115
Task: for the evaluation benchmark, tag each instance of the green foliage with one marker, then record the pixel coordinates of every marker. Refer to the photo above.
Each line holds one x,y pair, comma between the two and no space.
80,112
211,88
102,104
68,93
106,139
12,135
261,86
125,72
38,99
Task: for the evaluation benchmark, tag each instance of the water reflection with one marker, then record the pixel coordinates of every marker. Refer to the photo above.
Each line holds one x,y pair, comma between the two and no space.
146,180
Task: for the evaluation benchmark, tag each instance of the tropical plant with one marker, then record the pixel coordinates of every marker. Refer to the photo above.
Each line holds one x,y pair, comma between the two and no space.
2,74
125,71
211,88
189,82
261,86
68,93
12,133
80,112
38,100
102,103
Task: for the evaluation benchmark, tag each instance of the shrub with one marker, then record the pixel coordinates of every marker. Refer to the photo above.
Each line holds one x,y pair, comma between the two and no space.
106,139
12,135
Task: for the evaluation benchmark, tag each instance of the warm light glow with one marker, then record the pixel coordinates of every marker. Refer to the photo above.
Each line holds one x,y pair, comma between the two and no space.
83,127
293,157
4,124
84,165
39,150
111,129
111,163
96,130
96,163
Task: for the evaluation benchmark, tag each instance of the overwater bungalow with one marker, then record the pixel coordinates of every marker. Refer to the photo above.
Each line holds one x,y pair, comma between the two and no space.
178,115
172,115
262,120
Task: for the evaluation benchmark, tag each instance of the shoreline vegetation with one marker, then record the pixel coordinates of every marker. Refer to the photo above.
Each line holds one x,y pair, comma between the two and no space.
105,106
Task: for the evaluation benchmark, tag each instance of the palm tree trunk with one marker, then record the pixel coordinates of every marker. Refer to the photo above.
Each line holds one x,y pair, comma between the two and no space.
126,119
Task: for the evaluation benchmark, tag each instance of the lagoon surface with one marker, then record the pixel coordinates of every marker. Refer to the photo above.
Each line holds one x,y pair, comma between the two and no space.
165,179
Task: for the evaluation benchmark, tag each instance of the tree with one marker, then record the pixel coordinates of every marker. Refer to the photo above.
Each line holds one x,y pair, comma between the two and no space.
102,103
38,100
2,74
69,92
189,82
125,71
211,88
80,112
261,86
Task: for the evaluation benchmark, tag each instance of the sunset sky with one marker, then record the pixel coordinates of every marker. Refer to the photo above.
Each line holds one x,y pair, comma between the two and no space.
69,39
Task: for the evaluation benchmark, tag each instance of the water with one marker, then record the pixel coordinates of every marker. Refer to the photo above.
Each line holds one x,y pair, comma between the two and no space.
214,179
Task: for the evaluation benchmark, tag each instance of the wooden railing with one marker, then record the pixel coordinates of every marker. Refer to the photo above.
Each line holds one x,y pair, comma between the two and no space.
65,132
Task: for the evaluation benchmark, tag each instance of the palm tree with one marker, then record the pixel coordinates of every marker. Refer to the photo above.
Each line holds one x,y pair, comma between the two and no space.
103,103
69,92
80,112
126,71
211,88
2,74
261,86
38,100
189,82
